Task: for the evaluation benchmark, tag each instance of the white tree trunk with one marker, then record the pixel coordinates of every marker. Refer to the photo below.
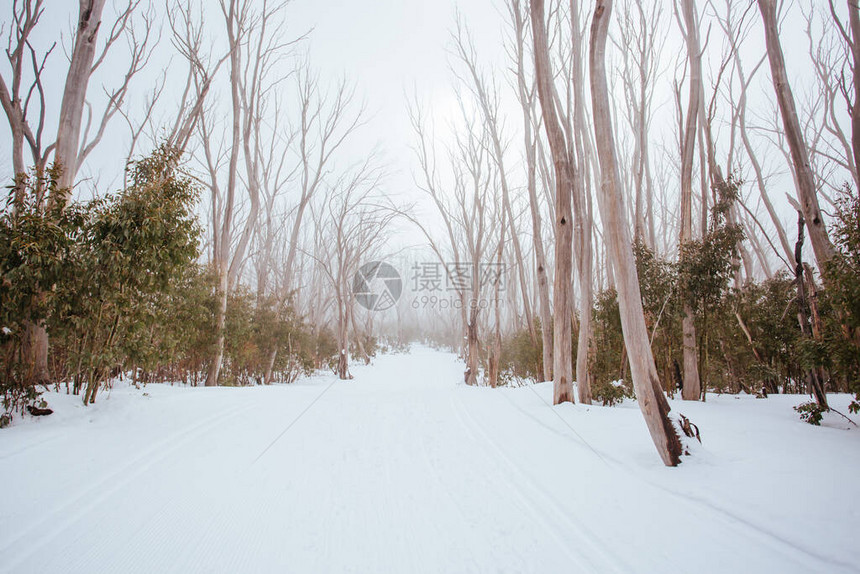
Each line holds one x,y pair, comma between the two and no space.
649,394
692,385
581,142
526,98
75,92
563,287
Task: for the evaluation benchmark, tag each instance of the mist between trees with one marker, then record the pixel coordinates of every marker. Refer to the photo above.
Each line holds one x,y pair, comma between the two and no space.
637,266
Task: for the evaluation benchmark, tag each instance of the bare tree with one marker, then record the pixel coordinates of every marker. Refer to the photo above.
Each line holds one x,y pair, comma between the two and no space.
526,96
854,25
735,31
564,180
649,394
690,29
187,30
326,122
580,145
849,87
22,55
75,89
487,97
255,42
270,148
804,180
468,211
641,47
74,142
350,224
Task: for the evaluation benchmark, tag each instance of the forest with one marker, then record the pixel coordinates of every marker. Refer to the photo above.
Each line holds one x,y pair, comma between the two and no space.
633,265
525,243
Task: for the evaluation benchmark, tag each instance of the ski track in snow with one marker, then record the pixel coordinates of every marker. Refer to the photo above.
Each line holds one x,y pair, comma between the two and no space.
693,504
403,469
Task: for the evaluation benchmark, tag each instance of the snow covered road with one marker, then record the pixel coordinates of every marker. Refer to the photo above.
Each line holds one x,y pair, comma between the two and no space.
404,469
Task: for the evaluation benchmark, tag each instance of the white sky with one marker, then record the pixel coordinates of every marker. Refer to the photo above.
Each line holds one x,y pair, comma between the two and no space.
388,48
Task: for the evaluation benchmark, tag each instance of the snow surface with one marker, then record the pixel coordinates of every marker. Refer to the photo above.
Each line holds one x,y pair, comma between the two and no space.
405,469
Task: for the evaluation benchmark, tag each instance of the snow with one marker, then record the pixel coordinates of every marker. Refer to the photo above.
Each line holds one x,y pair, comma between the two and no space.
405,469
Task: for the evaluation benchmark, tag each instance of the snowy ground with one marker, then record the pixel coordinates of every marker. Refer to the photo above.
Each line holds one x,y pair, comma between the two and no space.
404,469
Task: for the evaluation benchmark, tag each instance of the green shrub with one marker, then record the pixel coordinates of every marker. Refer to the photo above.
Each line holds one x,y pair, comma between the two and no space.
811,412
98,274
34,251
611,393
841,300
520,357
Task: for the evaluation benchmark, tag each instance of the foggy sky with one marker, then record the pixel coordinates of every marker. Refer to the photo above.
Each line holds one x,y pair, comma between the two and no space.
391,49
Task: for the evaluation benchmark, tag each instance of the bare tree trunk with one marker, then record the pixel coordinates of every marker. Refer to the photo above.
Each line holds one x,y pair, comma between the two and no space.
652,226
692,385
493,362
343,340
270,366
495,350
526,98
646,384
563,288
35,353
813,375
251,51
222,262
804,180
74,93
220,321
582,210
473,348
540,262
746,257
359,337
854,24
584,339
